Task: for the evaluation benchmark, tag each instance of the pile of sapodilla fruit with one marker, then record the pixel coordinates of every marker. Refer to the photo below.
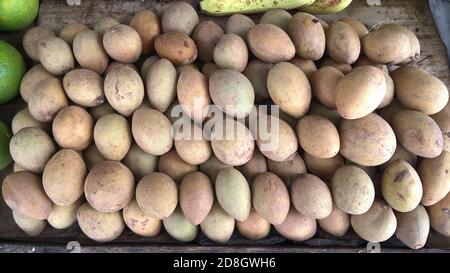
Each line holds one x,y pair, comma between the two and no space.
94,145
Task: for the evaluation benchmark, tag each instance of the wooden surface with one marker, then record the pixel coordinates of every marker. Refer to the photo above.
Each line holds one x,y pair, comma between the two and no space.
54,14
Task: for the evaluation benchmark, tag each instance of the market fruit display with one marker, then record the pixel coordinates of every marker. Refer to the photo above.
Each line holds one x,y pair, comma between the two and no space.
178,125
17,14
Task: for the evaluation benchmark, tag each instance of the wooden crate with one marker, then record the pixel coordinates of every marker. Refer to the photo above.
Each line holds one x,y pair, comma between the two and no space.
54,14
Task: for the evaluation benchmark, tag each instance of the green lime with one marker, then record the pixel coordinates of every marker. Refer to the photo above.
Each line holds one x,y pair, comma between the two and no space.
5,137
17,14
12,68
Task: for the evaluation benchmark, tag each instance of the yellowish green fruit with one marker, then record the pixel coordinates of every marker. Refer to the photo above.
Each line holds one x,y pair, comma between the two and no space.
5,137
17,14
226,7
12,68
326,6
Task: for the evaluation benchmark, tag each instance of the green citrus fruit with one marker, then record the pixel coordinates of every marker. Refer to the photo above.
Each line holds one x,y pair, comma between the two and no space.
12,68
17,14
5,137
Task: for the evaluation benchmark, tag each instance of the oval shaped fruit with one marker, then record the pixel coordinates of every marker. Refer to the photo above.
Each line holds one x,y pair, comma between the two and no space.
231,92
378,224
122,43
368,141
191,145
32,227
318,136
161,83
171,164
89,52
84,87
55,55
70,31
23,192
102,25
62,217
99,226
177,47
112,136
193,94
401,186
147,25
47,99
179,16
157,195
307,66
196,197
278,17
344,68
323,85
343,43
439,218
353,190
415,44
360,92
139,222
31,148
443,118
270,198
360,29
337,223
289,89
413,227
308,36
72,128
386,46
31,40
297,227
239,24
218,226
435,176
152,131
124,89
418,90
418,133
206,35
31,79
23,119
233,193
139,162
231,52
179,227
287,170
254,227
270,43
109,186
63,177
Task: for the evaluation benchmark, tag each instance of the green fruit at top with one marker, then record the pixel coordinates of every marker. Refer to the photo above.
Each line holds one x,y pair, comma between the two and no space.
12,68
17,14
5,137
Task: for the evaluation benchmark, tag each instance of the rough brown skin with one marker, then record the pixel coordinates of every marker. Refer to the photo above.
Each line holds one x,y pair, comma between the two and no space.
171,164
289,89
63,177
31,79
311,197
254,167
435,176
418,90
418,133
287,170
192,94
239,24
415,44
360,92
23,119
157,195
47,99
344,68
440,216
413,227
323,85
307,66
72,128
109,186
68,32
254,227
179,16
31,40
231,52
343,43
152,131
161,84
124,89
31,148
100,227
270,198
218,226
195,149
89,52
443,119
206,35
147,25
357,26
308,36
196,197
212,167
368,141
386,46
297,227
122,43
176,47
23,192
139,162
337,223
112,136
352,189
139,222
104,24
323,167
318,136
55,55
84,87
401,186
270,43
378,224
